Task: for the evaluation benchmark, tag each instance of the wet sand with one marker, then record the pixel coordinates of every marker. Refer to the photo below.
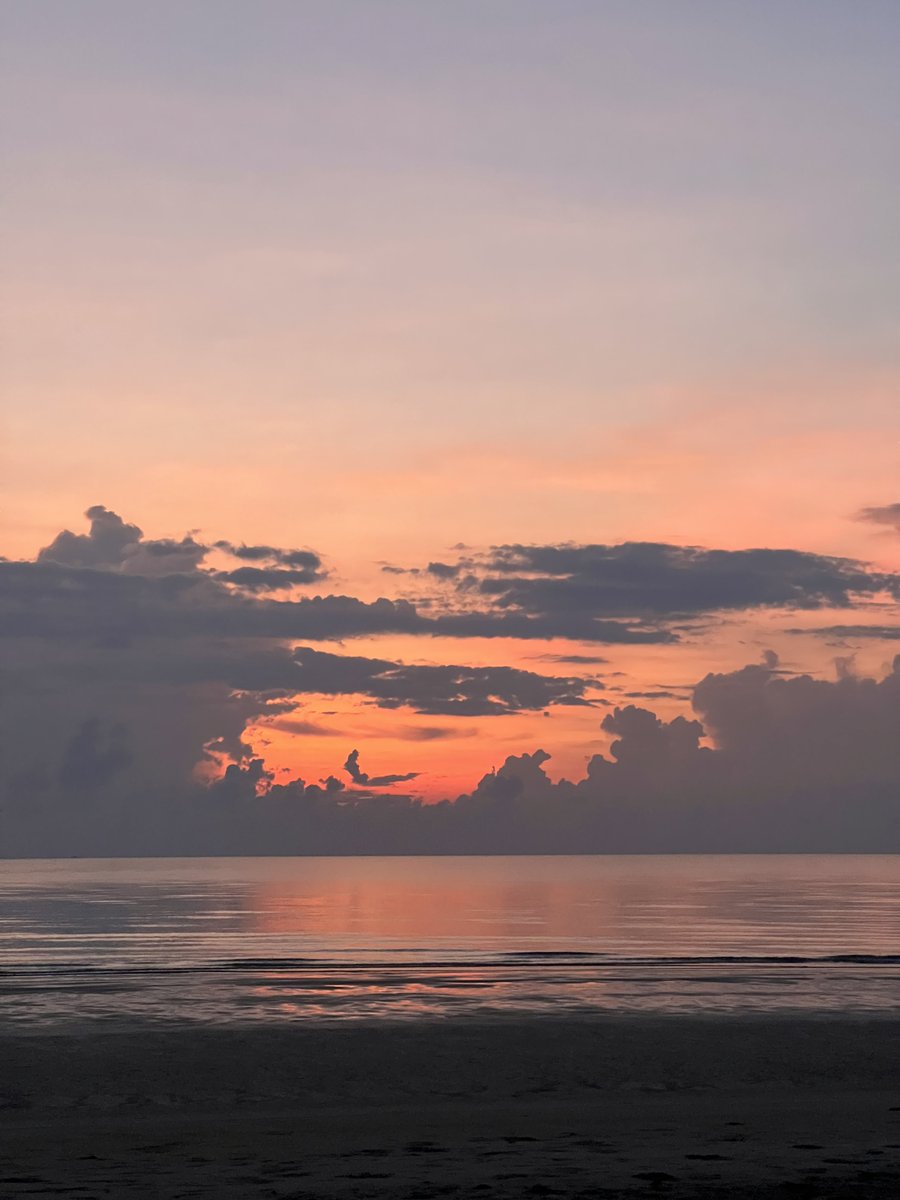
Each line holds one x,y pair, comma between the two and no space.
587,1107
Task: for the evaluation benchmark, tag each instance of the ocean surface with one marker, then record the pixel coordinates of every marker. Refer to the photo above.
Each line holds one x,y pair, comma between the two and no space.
322,939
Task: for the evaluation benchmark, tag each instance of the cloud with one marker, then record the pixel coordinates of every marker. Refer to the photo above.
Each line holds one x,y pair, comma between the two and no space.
129,722
107,543
112,583
567,585
796,763
575,660
887,633
249,781
804,732
112,544
275,670
267,579
883,514
582,627
351,766
131,674
94,755
130,666
444,570
435,690
766,763
47,599
431,733
300,727
655,694
307,563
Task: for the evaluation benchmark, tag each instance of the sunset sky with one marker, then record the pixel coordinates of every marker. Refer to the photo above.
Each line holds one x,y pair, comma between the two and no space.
509,313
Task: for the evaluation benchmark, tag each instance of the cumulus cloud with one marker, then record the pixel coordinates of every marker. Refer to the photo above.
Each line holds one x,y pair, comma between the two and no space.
132,673
112,544
766,763
249,780
129,664
127,724
794,763
106,544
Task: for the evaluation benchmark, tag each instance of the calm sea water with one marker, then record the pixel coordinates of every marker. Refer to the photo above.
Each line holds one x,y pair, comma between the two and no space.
301,939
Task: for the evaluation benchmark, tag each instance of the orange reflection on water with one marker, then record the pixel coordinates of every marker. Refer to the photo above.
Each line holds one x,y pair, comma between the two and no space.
666,905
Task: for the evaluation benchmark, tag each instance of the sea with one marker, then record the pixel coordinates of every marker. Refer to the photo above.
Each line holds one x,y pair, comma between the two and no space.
223,941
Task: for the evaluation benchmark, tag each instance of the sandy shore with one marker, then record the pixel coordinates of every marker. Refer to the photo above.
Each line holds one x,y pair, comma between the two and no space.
601,1107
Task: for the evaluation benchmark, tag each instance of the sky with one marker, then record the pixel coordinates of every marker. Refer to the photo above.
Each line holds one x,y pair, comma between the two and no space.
394,395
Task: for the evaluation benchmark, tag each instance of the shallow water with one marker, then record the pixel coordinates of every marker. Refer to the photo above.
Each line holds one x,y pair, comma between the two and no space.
225,940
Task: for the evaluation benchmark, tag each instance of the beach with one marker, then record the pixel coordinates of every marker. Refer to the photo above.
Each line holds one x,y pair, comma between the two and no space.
594,1106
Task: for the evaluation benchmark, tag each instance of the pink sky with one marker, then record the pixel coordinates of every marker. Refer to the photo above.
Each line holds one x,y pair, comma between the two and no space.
596,280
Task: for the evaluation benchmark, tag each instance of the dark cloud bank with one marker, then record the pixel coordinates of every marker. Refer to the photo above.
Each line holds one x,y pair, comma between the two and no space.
127,661
799,764
655,581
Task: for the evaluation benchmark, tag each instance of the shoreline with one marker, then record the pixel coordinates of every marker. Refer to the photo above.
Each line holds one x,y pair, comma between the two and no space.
574,1106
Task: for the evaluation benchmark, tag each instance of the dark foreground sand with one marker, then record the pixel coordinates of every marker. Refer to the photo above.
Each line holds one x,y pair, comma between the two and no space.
600,1107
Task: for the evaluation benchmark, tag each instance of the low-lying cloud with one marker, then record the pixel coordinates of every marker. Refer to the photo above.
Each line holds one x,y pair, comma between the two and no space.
133,669
767,763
